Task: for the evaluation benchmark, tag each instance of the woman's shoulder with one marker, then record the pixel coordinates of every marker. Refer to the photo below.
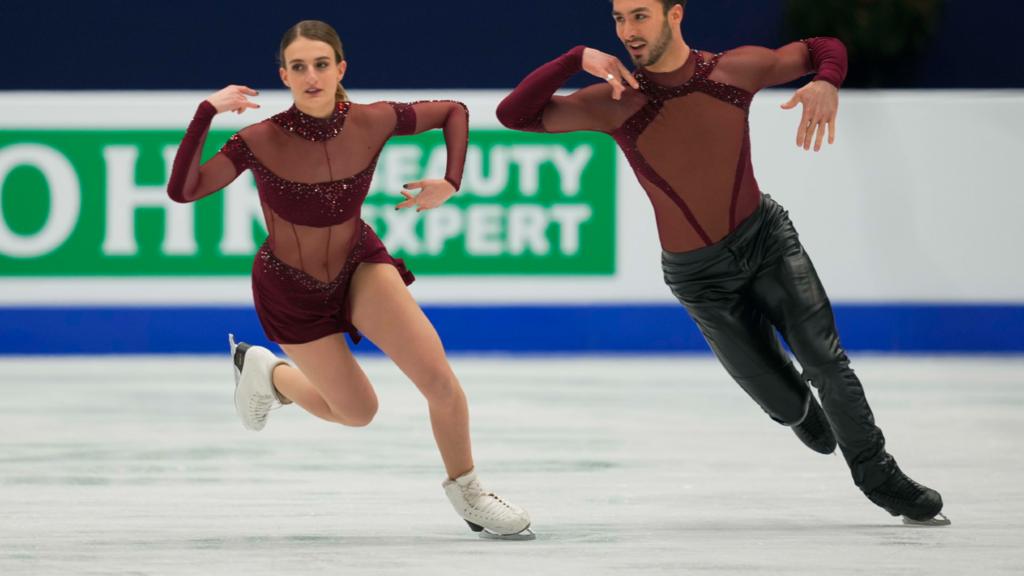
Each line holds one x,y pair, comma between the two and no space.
373,108
380,113
259,131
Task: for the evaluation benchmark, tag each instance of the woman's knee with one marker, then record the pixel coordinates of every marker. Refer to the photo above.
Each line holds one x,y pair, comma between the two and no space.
356,413
440,387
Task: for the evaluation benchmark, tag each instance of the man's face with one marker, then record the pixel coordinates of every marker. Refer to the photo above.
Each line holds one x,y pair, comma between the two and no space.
643,28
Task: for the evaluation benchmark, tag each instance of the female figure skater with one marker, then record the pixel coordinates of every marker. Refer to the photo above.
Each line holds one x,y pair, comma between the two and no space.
322,271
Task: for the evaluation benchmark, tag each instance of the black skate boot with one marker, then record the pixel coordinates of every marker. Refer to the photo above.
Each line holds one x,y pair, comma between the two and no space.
901,496
814,430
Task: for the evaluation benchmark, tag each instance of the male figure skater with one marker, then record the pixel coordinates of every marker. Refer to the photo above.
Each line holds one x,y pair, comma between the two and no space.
730,254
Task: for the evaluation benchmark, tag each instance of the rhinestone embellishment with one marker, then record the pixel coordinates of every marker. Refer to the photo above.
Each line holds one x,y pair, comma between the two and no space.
310,127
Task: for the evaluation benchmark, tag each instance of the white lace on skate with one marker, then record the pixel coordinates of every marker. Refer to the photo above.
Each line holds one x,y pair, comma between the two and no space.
486,513
254,389
259,409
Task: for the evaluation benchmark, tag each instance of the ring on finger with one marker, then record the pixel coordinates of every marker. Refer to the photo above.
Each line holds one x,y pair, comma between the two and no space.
610,77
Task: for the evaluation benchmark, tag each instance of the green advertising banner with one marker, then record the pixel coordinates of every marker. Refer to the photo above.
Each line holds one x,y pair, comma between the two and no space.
93,203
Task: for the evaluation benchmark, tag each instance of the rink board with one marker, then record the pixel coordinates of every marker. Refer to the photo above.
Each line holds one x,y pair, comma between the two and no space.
914,234
979,329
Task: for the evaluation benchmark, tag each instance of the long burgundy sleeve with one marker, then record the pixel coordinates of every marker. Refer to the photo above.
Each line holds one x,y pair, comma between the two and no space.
828,57
189,181
449,115
523,109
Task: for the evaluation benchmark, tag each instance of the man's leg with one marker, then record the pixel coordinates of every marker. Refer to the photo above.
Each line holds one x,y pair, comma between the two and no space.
789,292
741,336
791,295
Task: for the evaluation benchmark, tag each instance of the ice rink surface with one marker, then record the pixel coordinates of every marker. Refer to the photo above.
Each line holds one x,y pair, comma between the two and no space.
627,466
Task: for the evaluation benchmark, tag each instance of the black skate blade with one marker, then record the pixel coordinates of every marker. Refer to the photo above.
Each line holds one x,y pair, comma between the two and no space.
526,534
939,520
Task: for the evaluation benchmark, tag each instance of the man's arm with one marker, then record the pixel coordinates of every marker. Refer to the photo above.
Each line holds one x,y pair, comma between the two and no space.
532,106
753,68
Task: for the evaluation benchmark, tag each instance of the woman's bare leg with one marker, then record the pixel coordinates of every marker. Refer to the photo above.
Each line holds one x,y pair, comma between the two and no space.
327,381
293,386
384,311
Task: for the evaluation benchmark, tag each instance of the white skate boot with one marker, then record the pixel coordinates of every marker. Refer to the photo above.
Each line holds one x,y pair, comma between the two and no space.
485,513
254,387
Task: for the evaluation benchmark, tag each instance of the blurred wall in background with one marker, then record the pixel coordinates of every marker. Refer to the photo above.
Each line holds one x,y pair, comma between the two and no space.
192,44
550,247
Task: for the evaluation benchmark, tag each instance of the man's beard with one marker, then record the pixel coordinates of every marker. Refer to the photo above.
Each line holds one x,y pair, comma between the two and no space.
658,49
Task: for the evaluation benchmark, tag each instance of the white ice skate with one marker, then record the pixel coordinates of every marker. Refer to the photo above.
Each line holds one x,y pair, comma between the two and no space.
254,387
485,513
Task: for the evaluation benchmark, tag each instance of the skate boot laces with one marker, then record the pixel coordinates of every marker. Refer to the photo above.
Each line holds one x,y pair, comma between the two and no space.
260,406
485,512
486,503
900,488
902,496
255,396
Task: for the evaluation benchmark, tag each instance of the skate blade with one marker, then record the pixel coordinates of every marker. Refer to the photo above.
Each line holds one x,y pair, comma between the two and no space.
526,534
939,520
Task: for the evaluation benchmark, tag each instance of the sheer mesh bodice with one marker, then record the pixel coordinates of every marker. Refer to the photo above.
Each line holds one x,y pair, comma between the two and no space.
685,133
313,174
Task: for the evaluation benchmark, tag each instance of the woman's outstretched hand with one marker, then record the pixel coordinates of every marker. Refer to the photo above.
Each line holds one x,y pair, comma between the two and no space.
233,99
432,194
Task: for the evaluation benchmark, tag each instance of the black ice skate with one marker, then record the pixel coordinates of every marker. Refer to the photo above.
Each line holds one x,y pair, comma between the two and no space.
814,430
900,496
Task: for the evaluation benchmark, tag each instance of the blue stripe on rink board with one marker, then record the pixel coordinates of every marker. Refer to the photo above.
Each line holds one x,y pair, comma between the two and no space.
513,329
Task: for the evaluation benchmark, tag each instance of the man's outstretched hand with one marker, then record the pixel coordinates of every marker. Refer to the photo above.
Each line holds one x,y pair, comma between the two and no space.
821,104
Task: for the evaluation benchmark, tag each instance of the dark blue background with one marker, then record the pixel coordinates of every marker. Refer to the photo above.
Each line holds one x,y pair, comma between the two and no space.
120,44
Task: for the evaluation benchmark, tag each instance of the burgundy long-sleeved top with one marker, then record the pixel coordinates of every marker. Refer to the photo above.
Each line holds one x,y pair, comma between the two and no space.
685,133
313,174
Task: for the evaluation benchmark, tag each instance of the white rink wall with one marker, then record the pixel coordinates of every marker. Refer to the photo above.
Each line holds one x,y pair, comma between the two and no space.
916,202
910,219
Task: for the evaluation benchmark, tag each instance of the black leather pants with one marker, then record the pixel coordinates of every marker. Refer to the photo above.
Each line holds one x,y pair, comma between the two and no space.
756,281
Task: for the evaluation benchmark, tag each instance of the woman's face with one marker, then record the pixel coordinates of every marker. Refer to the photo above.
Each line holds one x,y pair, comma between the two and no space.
312,74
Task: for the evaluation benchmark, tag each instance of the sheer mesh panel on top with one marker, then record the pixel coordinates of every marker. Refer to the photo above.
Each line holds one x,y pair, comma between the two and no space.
314,174
685,132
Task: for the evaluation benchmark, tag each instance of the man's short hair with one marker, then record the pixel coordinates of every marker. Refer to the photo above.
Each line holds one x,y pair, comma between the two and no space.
668,4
